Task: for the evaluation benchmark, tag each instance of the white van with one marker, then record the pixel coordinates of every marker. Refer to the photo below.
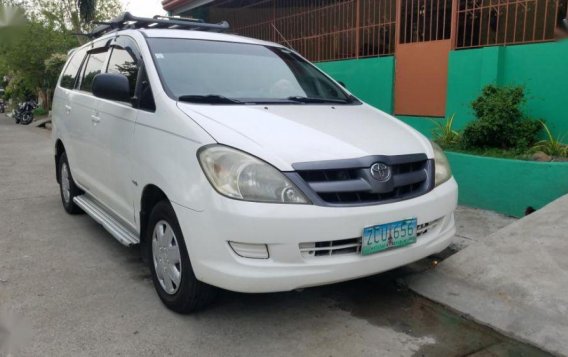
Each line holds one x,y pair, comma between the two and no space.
237,164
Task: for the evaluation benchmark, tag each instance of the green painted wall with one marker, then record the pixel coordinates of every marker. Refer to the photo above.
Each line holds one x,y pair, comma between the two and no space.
541,68
370,79
468,72
508,186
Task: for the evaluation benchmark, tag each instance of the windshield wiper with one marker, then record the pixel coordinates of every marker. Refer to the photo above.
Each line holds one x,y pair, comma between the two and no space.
208,99
308,100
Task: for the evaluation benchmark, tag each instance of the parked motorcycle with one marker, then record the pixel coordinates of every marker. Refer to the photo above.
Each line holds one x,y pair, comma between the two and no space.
24,112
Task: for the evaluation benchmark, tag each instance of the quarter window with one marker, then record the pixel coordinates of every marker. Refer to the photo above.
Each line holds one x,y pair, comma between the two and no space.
93,67
72,70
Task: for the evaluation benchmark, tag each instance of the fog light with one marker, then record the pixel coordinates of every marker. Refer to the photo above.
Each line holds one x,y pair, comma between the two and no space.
247,250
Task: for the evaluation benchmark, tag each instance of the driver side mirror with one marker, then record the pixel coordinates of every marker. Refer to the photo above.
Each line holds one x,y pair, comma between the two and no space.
112,86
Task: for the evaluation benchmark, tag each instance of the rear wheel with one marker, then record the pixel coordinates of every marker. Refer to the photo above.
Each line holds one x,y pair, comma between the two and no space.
67,186
173,276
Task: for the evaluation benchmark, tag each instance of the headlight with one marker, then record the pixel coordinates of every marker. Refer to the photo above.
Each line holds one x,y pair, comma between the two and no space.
442,169
241,176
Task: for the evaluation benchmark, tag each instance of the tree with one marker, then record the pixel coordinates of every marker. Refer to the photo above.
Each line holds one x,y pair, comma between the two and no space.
33,54
76,16
53,67
87,10
24,55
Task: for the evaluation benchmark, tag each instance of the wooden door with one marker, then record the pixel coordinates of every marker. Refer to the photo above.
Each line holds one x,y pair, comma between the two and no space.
424,42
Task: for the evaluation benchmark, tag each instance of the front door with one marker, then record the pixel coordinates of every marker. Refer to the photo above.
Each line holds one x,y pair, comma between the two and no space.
424,43
119,119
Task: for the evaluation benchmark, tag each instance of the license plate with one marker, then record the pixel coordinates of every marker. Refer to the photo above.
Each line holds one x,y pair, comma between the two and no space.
389,235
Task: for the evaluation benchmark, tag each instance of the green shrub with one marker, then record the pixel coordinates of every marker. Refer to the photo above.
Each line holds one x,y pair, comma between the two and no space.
444,133
500,121
39,112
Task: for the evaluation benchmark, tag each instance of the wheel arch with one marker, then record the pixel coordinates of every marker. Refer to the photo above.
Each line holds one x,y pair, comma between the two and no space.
151,195
59,150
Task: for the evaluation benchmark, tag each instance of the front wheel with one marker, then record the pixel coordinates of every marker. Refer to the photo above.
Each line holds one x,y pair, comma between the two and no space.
27,118
173,276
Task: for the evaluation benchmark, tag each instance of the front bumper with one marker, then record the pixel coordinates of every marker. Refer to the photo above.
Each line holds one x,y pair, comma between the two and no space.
284,227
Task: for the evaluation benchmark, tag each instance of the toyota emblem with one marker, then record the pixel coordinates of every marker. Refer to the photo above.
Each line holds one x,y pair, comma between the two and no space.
381,172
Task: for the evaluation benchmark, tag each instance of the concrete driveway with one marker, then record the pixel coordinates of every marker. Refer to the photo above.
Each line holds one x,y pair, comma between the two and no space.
67,288
515,281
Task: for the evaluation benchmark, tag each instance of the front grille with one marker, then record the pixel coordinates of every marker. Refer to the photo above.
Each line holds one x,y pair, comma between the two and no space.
350,246
350,182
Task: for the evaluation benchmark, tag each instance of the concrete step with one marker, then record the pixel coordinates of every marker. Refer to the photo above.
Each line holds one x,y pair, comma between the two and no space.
41,122
515,281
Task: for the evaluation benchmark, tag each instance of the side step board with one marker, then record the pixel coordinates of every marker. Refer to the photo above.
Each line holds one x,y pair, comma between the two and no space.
124,235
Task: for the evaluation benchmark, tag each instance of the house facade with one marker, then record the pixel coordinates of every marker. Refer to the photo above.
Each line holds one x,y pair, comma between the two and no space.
416,59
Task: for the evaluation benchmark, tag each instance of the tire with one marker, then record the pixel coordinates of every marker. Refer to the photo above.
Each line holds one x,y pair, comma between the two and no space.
67,187
184,294
27,119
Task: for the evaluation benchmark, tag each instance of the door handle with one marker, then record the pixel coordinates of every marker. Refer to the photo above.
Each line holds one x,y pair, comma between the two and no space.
67,109
95,119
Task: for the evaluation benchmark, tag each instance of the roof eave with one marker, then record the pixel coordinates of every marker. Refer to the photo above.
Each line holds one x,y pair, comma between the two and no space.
173,5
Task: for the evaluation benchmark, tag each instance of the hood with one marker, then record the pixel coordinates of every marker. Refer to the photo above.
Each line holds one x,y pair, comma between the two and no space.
286,134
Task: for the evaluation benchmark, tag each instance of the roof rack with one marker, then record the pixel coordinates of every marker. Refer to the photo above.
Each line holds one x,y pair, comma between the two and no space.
129,21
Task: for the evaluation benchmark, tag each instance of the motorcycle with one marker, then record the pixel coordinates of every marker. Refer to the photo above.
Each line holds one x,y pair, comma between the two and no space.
23,114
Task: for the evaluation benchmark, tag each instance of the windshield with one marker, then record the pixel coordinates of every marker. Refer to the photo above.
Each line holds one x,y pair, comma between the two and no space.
217,72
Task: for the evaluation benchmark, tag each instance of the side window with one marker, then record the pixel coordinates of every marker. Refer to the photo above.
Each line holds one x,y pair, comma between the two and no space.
94,66
72,70
123,62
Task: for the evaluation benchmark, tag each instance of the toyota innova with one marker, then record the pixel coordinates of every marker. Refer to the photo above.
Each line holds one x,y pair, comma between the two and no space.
237,164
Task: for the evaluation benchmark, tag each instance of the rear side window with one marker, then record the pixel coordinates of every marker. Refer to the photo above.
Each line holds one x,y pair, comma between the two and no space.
72,70
94,66
123,62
